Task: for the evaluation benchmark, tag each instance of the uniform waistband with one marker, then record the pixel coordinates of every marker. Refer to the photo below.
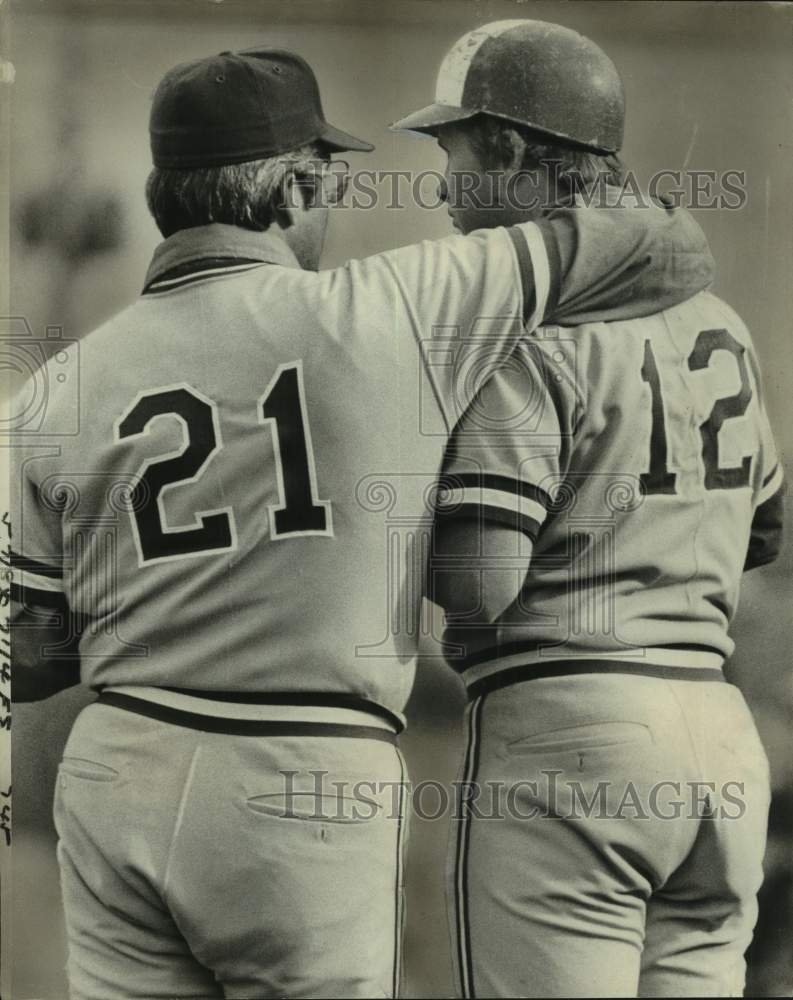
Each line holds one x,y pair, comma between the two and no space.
670,663
258,715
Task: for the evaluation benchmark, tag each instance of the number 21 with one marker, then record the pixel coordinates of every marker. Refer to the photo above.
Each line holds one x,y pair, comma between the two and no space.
283,408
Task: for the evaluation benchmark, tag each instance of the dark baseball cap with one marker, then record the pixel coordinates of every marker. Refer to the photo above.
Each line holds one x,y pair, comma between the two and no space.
239,106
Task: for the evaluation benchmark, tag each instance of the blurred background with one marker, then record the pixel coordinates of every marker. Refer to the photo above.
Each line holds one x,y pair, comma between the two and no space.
708,86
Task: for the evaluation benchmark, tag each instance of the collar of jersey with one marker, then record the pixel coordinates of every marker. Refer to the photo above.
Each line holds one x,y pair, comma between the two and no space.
217,241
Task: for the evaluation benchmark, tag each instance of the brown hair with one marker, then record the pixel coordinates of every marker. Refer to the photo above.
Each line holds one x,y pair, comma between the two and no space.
248,195
578,170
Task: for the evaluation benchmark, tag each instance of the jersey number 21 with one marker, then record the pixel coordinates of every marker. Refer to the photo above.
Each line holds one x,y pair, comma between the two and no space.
282,407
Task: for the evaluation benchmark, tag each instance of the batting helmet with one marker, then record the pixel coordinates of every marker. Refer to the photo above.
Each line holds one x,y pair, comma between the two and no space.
534,73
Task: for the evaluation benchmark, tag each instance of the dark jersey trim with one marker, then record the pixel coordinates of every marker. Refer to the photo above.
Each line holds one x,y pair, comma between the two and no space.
765,539
550,237
526,272
770,476
26,595
194,270
308,698
242,727
34,566
399,909
524,646
567,668
494,481
461,894
481,513
194,280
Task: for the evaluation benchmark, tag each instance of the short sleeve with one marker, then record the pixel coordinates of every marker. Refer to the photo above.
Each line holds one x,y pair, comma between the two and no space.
508,448
769,473
772,475
36,520
767,530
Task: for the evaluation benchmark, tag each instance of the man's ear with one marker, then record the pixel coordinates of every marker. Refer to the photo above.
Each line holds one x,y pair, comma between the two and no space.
290,203
512,148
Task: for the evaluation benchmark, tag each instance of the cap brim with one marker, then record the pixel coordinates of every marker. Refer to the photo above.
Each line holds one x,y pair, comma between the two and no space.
343,141
428,120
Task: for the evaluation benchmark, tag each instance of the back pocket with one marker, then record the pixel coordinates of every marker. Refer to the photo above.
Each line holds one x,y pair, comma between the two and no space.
79,767
311,806
590,736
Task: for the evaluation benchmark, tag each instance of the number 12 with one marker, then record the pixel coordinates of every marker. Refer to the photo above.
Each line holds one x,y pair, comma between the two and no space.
659,479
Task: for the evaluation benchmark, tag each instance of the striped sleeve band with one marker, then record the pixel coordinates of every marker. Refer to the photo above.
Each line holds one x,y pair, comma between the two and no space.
765,539
497,499
771,485
36,582
542,239
536,267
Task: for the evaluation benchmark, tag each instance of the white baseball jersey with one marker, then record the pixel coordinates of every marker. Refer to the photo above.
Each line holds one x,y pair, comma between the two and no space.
638,458
218,520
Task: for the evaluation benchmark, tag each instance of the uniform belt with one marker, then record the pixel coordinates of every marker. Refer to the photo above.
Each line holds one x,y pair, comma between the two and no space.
668,663
258,715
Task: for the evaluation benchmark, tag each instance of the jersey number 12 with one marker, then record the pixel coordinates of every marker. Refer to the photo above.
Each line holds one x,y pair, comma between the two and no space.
658,479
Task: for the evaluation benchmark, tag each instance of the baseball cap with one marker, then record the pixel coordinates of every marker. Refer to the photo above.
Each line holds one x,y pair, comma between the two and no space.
239,106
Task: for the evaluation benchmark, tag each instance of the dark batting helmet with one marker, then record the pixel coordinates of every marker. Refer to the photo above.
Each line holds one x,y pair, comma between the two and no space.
534,73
